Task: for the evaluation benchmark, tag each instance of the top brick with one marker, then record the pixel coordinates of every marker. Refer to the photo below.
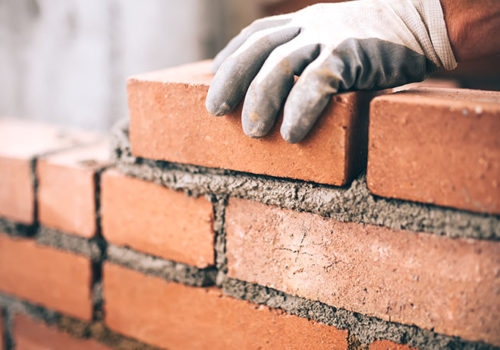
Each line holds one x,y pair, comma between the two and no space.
438,146
20,143
168,121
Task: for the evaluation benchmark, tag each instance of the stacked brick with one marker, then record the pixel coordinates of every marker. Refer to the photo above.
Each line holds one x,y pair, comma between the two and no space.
370,233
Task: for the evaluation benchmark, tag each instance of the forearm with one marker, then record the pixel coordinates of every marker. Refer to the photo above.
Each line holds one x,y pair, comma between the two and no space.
473,27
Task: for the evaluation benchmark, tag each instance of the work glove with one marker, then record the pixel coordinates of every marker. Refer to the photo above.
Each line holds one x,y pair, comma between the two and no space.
356,45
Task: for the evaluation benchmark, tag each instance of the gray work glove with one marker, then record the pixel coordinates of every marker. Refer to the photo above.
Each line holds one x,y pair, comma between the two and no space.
357,45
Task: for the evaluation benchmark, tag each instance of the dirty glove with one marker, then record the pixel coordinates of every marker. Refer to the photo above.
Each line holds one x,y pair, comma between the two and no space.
358,45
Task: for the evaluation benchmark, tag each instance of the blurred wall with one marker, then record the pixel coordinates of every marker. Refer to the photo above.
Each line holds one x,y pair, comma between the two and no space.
66,61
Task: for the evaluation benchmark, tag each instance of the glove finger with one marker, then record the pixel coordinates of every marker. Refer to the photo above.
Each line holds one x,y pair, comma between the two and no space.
272,84
235,74
238,40
310,95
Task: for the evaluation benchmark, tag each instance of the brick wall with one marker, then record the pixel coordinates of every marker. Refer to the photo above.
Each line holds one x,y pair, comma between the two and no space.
179,232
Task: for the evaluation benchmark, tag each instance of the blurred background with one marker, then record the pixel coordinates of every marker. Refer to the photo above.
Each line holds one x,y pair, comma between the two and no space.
66,61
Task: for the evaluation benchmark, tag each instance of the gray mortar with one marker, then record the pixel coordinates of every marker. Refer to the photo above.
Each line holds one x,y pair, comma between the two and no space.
77,328
363,329
72,243
16,229
219,205
347,204
166,269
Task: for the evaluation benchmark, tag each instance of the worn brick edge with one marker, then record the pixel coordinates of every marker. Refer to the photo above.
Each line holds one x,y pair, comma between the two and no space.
353,203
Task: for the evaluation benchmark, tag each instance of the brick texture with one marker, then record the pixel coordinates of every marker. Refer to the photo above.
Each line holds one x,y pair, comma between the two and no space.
437,146
66,188
449,285
20,143
168,121
175,316
156,220
46,276
34,335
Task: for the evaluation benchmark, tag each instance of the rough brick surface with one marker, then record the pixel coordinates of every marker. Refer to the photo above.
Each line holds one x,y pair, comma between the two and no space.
175,316
66,188
449,285
168,121
388,345
20,142
34,335
437,146
156,220
46,276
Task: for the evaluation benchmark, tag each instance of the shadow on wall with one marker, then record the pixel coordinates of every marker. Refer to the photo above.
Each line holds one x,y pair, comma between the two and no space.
66,61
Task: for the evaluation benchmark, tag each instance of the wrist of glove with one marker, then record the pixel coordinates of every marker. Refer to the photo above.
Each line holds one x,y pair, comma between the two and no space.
357,45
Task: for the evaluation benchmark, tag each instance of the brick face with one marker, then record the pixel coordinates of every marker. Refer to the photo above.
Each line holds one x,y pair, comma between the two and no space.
34,335
156,220
168,121
413,278
66,188
20,142
175,316
46,276
437,146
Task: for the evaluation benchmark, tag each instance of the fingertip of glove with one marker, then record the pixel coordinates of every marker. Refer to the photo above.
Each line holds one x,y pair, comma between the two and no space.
290,136
217,110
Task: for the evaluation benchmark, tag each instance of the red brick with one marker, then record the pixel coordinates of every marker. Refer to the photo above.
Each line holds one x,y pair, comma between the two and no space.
34,335
176,316
156,220
66,188
46,276
450,285
20,142
388,345
438,146
168,121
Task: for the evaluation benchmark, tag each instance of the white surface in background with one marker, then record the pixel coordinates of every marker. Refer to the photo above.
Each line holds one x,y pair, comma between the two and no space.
66,61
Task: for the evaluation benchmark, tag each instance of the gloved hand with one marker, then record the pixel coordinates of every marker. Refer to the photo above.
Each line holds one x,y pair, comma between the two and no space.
358,45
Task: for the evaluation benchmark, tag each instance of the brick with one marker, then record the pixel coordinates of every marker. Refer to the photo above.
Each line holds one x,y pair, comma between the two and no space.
438,146
34,335
20,143
156,220
168,121
434,282
176,316
66,188
46,276
388,345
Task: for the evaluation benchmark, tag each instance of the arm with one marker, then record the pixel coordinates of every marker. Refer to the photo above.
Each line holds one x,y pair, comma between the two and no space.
473,27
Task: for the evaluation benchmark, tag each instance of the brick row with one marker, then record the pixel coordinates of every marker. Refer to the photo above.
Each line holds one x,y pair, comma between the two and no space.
438,146
448,285
20,143
29,334
168,121
46,276
176,316
156,220
67,186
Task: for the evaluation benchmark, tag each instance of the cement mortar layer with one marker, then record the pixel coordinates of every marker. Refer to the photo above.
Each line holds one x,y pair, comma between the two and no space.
166,269
16,229
347,204
362,329
64,241
77,328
